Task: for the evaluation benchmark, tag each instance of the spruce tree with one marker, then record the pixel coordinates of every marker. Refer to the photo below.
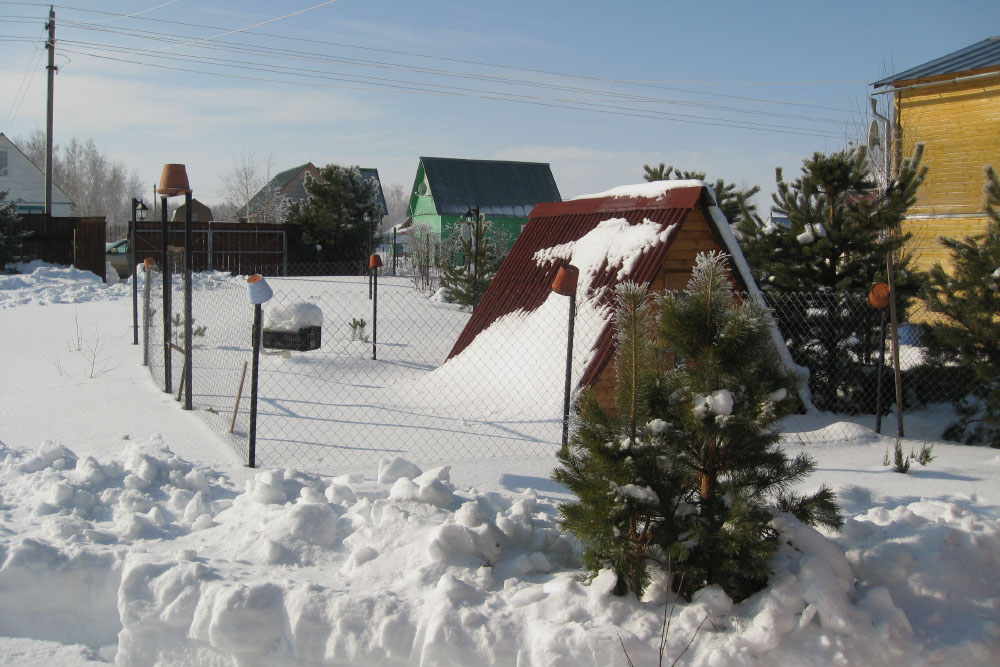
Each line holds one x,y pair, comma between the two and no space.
697,485
468,280
817,270
967,333
9,239
341,213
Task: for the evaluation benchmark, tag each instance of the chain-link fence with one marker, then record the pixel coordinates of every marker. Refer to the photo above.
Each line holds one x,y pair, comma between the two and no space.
846,345
371,379
353,369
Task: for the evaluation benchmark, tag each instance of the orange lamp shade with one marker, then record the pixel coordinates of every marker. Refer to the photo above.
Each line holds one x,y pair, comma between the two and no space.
173,180
375,262
566,279
878,297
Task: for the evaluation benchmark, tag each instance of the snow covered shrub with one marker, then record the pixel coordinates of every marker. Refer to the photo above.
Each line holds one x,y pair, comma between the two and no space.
689,472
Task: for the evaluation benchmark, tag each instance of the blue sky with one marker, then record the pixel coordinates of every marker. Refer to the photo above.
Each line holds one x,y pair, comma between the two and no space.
595,89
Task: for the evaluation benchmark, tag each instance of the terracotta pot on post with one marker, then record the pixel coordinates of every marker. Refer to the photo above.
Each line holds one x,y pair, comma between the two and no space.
565,284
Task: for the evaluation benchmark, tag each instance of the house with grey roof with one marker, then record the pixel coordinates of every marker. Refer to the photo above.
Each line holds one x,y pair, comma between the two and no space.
270,204
445,190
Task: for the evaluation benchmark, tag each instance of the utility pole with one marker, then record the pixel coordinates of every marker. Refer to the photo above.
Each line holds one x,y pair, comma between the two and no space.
50,44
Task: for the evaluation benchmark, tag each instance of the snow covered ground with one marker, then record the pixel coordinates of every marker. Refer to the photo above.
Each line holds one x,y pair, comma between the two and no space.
130,533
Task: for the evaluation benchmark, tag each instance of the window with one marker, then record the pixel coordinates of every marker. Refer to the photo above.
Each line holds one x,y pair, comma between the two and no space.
3,164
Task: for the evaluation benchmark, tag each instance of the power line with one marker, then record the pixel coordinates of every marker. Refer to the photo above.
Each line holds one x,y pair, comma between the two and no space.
134,14
257,25
604,109
296,55
603,105
22,89
657,85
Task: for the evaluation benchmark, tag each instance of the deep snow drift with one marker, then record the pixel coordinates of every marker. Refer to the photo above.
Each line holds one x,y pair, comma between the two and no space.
137,538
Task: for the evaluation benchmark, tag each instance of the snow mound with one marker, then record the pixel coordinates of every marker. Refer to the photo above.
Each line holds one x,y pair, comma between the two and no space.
176,564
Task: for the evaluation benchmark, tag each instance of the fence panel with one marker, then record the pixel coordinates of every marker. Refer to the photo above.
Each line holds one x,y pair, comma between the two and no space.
369,384
847,346
375,387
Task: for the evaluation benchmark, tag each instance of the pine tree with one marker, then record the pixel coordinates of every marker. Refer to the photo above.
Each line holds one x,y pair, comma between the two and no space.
817,271
340,215
733,202
718,408
967,335
698,484
626,488
9,239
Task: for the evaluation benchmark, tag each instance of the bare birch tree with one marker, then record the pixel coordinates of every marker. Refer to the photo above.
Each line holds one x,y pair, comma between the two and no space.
98,184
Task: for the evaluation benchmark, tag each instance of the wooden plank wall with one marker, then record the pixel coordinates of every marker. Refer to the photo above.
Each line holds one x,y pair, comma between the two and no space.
959,125
694,237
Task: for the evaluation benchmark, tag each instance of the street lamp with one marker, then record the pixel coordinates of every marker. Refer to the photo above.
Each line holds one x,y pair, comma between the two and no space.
139,211
472,219
565,284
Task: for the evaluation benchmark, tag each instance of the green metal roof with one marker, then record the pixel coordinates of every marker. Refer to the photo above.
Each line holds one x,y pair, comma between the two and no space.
497,187
978,56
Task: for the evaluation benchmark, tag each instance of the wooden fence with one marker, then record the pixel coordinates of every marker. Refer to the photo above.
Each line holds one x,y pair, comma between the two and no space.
77,242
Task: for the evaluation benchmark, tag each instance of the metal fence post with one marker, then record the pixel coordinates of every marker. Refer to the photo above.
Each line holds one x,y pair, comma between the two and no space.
565,283
188,317
165,266
374,262
252,447
135,277
259,292
146,286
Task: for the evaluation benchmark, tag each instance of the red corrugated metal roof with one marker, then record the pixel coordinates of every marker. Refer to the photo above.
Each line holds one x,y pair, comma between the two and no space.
523,284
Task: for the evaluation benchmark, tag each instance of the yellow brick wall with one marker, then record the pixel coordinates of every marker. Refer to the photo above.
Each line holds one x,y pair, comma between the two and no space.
959,125
925,248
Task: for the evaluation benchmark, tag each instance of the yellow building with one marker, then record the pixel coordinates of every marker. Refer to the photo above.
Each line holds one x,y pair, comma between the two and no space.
952,106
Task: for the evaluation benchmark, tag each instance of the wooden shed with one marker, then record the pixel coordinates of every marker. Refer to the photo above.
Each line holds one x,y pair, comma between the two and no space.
683,220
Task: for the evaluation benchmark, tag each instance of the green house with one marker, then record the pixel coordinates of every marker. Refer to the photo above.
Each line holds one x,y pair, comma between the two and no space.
446,189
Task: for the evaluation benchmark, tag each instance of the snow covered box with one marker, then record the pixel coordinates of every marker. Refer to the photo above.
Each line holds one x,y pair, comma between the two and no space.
297,326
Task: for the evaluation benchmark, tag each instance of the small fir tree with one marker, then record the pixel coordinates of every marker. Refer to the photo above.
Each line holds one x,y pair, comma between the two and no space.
9,239
701,480
967,334
482,253
817,270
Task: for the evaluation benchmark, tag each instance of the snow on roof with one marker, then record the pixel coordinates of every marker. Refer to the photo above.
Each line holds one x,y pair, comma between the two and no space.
650,190
620,234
